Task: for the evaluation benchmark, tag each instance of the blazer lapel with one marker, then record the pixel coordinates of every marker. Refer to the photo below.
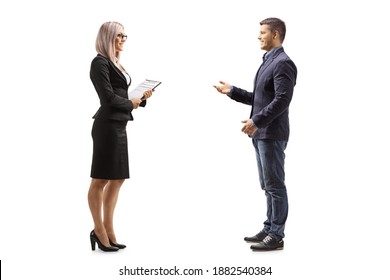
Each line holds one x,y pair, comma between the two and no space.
118,71
262,68
267,63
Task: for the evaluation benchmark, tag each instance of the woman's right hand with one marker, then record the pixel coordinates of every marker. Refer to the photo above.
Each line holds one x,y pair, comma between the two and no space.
136,102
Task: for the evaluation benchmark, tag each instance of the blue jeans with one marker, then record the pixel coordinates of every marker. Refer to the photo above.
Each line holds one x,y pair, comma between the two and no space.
270,162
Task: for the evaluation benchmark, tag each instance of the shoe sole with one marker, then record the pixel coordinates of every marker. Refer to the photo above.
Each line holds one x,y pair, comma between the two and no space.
265,250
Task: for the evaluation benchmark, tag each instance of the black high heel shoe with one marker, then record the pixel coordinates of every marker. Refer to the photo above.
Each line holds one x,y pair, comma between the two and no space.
95,239
120,246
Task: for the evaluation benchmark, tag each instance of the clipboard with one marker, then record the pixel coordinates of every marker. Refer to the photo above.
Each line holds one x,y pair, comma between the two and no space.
138,92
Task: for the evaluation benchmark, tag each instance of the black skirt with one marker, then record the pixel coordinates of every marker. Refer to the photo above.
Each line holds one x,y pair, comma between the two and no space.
110,158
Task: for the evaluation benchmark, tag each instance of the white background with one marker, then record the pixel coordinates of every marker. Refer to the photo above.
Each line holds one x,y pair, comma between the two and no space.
194,193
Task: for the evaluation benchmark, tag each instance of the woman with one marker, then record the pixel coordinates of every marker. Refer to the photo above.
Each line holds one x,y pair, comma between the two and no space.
110,165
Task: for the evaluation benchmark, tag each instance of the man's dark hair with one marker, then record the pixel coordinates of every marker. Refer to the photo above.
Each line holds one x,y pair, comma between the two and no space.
276,24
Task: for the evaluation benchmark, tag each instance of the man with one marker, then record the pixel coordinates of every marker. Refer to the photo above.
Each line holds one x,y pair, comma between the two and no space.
268,127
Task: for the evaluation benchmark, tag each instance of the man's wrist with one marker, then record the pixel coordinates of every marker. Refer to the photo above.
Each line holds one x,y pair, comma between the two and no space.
253,123
231,91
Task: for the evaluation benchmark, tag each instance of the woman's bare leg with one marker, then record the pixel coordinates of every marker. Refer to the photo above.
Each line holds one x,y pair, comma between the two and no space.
110,198
95,202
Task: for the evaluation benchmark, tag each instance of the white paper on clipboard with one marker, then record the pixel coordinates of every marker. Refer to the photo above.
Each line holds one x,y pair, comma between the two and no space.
138,92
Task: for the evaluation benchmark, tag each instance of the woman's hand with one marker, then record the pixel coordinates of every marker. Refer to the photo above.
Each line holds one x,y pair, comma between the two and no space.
136,102
147,94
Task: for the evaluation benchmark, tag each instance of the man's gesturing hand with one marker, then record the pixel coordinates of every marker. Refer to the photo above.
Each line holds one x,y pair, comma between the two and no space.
224,88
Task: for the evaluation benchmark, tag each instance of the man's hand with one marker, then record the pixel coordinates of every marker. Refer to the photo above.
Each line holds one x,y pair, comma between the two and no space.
249,127
224,88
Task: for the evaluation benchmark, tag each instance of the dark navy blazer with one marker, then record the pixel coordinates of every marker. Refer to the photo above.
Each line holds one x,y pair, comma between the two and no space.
271,96
111,86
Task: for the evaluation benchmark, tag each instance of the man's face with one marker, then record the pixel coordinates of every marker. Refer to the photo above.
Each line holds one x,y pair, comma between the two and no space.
266,38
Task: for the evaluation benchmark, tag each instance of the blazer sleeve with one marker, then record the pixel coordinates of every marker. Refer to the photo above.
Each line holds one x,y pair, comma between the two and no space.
100,77
284,74
241,95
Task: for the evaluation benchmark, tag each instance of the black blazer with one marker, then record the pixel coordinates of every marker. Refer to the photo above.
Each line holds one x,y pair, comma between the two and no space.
271,96
111,87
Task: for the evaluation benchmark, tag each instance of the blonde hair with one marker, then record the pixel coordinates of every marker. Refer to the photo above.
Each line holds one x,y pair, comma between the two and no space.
105,40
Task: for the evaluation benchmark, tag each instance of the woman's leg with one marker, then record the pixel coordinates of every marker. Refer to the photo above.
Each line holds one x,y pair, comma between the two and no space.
95,202
110,198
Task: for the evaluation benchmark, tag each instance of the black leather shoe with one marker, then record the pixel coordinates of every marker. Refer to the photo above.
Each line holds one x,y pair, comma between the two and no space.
120,246
268,244
94,239
257,238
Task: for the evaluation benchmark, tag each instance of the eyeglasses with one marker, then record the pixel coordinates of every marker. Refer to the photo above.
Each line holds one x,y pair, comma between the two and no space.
122,36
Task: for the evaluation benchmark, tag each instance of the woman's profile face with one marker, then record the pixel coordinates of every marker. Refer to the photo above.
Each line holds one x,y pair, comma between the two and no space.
120,40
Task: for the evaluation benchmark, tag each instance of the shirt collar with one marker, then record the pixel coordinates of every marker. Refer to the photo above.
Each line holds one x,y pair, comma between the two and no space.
271,52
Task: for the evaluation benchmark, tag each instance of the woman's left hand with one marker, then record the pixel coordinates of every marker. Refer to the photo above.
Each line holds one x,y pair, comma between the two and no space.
147,94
